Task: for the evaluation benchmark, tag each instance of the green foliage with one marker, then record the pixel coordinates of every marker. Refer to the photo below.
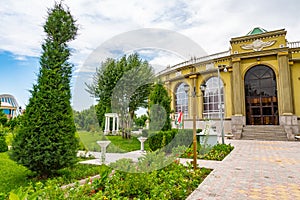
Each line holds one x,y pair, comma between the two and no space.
3,144
124,84
86,120
218,152
12,175
140,121
3,118
3,134
46,139
160,109
170,139
118,144
145,132
173,181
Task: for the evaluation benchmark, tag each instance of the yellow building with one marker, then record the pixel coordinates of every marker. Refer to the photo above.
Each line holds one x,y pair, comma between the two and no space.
258,89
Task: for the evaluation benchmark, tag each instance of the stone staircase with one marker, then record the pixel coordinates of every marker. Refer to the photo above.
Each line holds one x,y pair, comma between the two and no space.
275,133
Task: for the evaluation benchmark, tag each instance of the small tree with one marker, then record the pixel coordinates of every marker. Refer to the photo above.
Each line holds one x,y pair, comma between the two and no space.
160,108
46,139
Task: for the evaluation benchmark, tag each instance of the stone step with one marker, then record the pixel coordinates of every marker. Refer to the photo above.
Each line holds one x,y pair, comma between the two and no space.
264,133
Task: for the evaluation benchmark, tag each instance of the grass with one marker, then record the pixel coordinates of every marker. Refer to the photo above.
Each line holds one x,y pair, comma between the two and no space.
118,144
12,175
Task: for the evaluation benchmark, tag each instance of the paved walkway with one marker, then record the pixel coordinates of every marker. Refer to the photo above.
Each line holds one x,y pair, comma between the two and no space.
112,157
254,170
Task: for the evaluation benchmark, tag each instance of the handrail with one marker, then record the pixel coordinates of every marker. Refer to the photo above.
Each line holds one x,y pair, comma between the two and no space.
293,44
195,60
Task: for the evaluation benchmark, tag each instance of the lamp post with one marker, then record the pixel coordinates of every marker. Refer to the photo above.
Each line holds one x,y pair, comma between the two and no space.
220,103
187,88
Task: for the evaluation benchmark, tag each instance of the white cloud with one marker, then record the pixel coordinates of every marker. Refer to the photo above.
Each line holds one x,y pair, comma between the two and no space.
210,23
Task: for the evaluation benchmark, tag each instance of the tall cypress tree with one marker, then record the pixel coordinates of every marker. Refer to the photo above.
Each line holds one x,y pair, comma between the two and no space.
46,140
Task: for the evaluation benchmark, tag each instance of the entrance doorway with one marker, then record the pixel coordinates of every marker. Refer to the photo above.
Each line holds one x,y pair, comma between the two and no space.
261,96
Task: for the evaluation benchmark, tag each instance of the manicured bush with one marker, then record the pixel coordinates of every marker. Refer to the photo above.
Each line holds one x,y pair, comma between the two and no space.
46,139
170,139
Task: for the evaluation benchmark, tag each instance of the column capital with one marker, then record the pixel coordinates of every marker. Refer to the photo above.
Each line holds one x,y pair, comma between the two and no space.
236,59
283,53
193,76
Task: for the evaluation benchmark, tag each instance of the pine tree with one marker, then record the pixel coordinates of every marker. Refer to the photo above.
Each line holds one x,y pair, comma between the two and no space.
46,139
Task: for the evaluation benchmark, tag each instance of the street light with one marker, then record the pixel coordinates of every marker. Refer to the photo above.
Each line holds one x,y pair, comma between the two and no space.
220,103
186,89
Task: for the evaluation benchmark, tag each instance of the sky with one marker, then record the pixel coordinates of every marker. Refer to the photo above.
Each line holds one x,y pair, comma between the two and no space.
109,28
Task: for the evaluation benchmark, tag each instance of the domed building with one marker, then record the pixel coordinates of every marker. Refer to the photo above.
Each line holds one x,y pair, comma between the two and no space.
251,91
9,106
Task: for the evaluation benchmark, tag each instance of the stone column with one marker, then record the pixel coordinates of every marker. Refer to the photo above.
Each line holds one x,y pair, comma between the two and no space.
114,124
105,129
118,123
238,99
237,120
285,84
108,123
287,117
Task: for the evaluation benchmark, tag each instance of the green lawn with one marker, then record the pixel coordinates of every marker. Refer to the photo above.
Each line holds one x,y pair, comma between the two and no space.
12,175
118,144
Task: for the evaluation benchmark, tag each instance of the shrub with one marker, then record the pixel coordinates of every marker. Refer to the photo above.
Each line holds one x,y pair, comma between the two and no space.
3,145
145,132
218,152
170,139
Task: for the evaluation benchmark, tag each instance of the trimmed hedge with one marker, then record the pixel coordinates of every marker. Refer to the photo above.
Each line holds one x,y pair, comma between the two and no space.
170,139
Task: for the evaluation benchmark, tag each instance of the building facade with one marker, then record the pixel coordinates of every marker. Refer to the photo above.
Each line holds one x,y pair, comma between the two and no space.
255,83
9,106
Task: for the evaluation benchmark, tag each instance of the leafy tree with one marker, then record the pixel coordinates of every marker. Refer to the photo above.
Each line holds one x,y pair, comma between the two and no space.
160,108
140,121
86,119
46,139
122,86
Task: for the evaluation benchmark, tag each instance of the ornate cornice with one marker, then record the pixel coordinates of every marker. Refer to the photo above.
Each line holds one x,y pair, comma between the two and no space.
247,38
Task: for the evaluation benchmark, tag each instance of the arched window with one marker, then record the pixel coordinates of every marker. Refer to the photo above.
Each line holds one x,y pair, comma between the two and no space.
181,100
211,99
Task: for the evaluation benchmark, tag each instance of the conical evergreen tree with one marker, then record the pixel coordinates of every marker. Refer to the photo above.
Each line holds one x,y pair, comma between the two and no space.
46,140
160,108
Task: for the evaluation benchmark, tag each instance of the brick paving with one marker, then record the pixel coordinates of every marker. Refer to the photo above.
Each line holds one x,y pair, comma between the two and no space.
253,170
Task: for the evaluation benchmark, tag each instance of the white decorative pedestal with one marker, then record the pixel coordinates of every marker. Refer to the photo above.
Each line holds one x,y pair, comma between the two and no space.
103,144
142,140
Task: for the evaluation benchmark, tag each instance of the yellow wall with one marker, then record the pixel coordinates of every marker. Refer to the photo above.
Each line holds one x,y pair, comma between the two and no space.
248,59
295,71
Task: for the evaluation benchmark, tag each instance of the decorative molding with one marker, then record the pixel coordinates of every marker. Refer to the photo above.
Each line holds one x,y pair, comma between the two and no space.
236,59
283,53
258,45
